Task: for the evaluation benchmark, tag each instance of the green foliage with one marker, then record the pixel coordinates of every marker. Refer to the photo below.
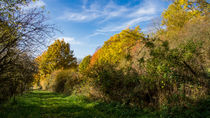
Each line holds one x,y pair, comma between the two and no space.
170,68
199,109
175,67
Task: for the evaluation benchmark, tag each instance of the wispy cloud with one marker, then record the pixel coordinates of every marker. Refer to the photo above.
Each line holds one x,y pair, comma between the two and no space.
70,40
95,11
111,10
148,7
145,11
103,15
119,27
85,16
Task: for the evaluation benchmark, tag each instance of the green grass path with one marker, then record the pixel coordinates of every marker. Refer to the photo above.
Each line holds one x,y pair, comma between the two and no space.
43,104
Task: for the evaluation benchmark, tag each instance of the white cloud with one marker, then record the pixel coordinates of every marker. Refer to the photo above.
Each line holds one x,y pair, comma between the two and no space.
146,8
70,40
109,11
86,16
37,4
94,11
145,11
123,25
127,16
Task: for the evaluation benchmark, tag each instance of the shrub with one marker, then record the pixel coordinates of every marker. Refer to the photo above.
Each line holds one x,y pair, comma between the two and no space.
155,71
84,64
65,81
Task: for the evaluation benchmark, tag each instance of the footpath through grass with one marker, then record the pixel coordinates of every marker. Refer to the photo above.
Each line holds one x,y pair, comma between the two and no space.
43,104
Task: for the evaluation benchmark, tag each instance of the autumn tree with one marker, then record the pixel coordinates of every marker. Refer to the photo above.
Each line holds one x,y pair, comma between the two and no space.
106,68
57,56
116,47
21,28
21,32
17,76
182,11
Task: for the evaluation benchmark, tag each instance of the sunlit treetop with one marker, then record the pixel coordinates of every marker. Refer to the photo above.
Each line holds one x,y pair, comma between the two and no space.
182,11
84,64
116,47
57,56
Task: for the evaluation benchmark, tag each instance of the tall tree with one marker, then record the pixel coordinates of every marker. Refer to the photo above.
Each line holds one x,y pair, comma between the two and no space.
24,29
182,11
116,47
21,32
57,56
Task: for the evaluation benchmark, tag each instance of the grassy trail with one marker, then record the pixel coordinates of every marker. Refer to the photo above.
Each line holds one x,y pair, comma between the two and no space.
43,104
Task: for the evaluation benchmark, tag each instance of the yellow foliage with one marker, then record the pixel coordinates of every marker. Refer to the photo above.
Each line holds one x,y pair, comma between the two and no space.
116,47
179,13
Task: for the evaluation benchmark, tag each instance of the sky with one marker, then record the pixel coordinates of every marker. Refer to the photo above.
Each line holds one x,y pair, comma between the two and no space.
86,24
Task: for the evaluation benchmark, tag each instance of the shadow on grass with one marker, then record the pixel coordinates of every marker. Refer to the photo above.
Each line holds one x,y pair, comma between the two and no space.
43,104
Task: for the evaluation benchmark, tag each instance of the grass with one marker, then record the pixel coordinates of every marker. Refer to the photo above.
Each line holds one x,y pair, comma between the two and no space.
44,104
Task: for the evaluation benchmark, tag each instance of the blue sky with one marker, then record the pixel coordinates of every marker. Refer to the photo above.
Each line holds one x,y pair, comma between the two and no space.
86,24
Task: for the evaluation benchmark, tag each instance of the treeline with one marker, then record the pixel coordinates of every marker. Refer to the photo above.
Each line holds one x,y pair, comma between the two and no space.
21,32
167,68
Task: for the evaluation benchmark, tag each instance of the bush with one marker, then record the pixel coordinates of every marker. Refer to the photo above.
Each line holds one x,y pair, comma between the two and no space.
17,77
84,65
155,71
65,81
200,109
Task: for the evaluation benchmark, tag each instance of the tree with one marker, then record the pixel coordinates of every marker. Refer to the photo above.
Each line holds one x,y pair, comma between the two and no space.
116,47
21,32
111,76
182,11
17,76
22,29
58,56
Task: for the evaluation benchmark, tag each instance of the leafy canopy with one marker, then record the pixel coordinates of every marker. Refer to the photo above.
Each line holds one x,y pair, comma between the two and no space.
116,47
182,11
57,56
